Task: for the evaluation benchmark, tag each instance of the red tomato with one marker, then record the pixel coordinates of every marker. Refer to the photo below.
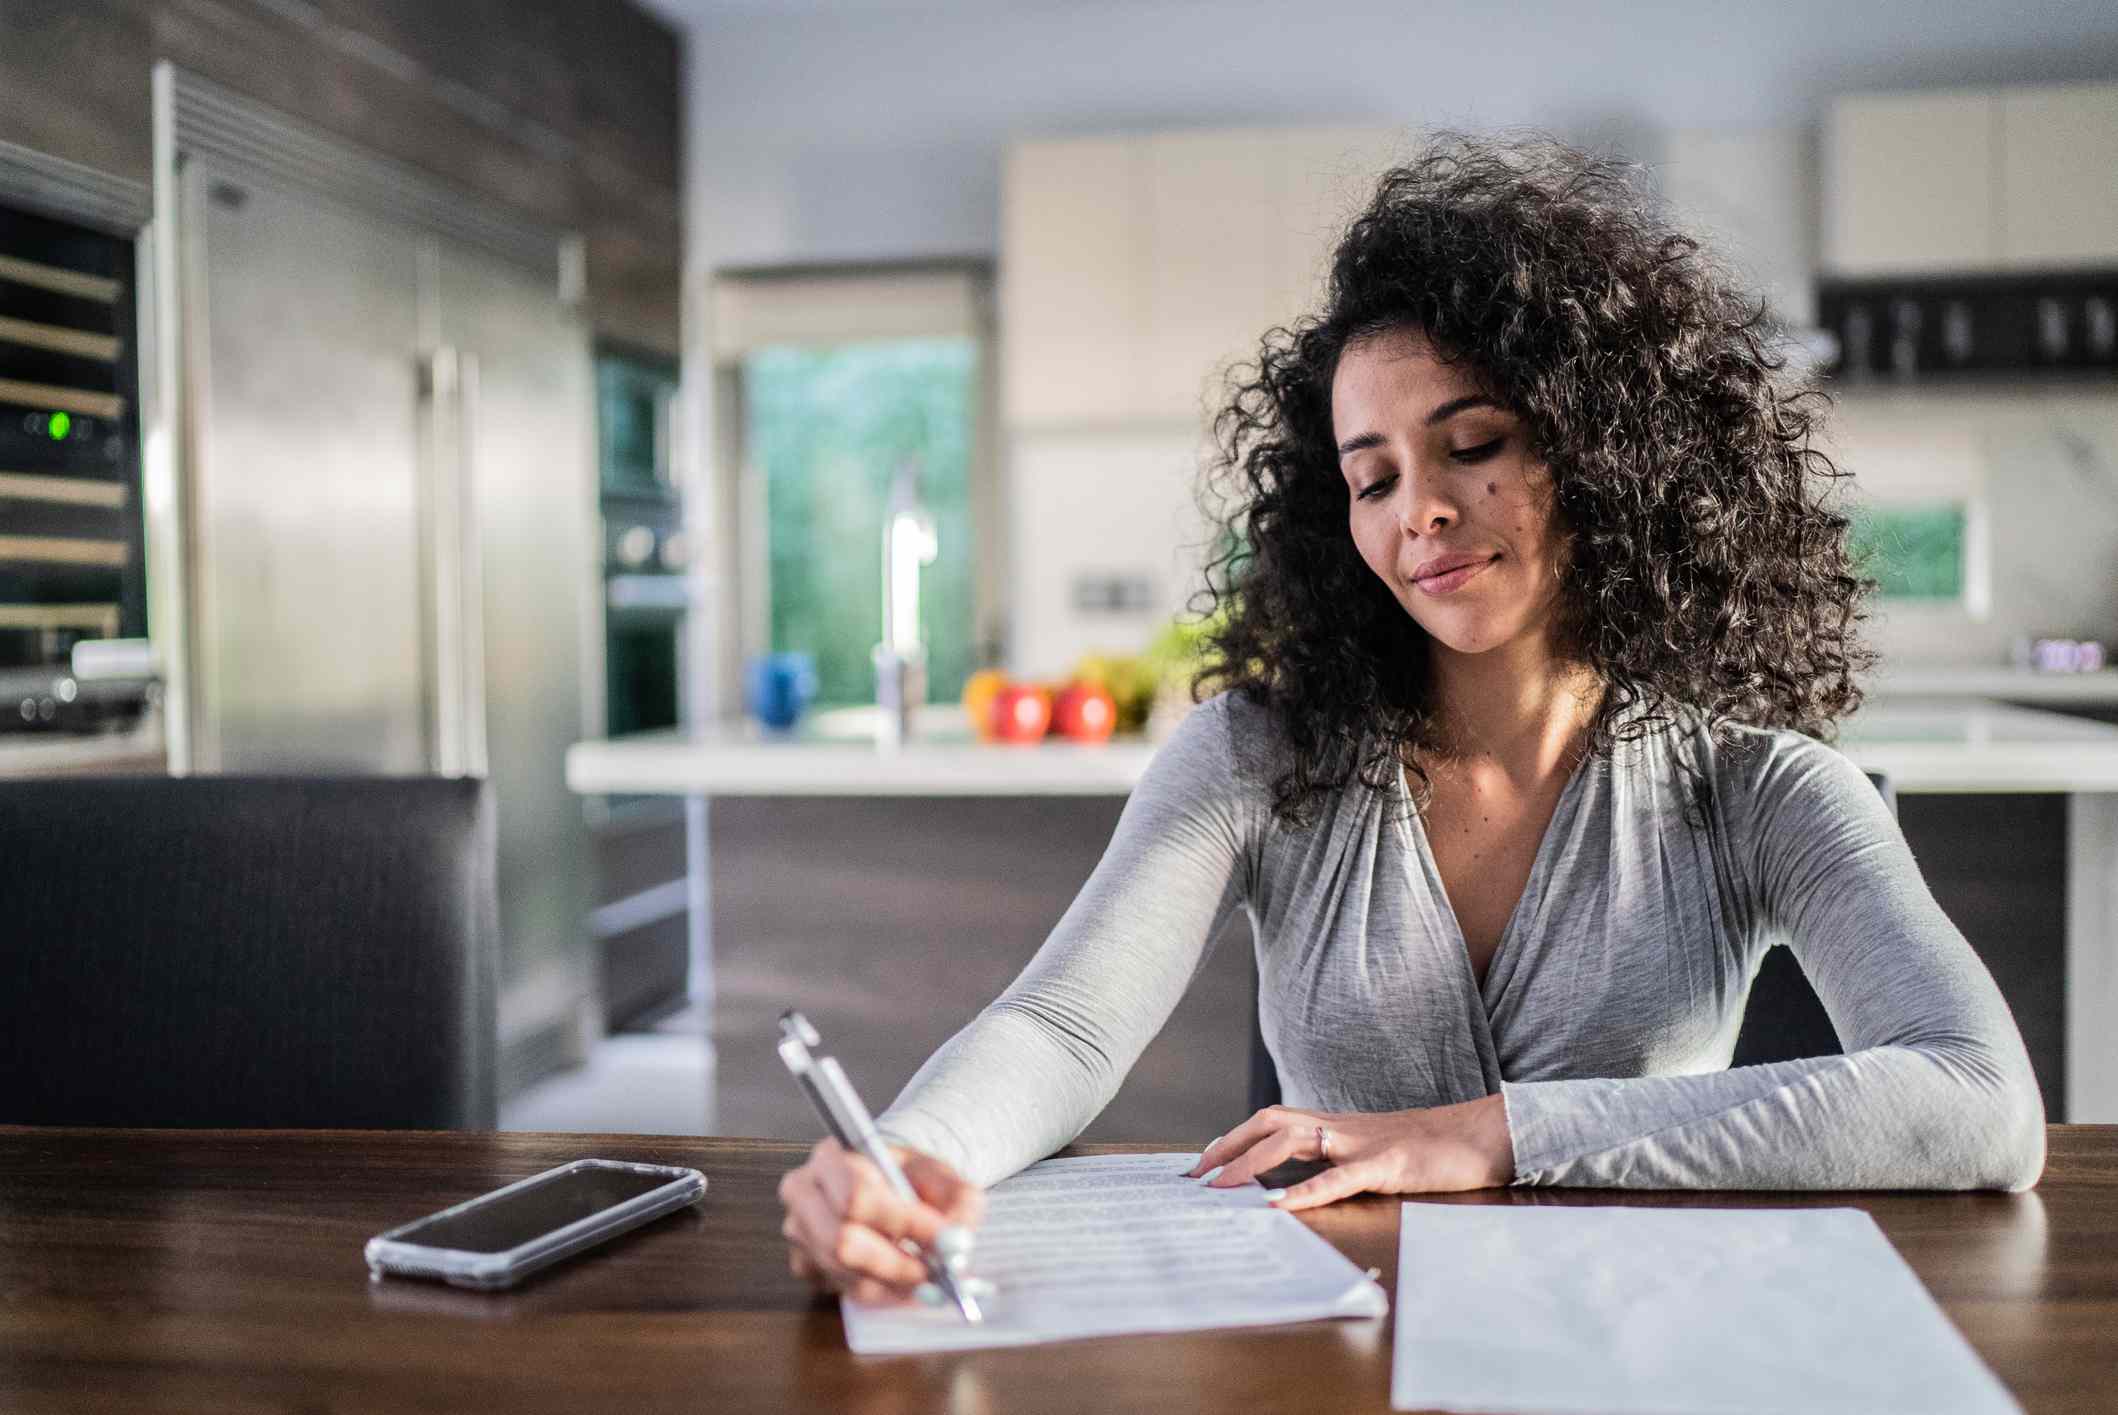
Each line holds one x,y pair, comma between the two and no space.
1086,712
1020,714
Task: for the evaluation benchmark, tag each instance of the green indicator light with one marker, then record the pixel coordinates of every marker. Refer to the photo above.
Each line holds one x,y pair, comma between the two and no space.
59,426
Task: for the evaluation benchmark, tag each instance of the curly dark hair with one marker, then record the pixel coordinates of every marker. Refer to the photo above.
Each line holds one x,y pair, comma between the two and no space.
1704,567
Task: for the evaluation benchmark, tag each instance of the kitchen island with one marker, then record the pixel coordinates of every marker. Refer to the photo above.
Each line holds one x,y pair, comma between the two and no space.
1997,778
1928,745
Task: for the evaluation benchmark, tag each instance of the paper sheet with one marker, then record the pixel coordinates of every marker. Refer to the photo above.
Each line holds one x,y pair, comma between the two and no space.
1110,1244
1562,1310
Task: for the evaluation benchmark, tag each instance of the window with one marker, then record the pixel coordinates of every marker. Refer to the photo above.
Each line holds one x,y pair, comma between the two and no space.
832,381
1915,550
826,429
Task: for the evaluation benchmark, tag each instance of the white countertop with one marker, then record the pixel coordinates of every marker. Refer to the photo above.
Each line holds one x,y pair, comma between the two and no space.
1972,744
2015,684
1922,744
830,755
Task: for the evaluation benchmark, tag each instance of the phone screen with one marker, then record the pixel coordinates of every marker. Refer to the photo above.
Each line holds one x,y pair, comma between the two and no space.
533,1211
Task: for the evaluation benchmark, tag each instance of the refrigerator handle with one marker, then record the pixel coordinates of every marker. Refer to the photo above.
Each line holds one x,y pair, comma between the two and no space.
472,601
456,670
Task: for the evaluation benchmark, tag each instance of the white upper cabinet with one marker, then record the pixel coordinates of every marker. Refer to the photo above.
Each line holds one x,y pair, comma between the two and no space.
1965,180
1073,280
1328,176
2059,175
1216,260
1750,197
1135,271
1909,183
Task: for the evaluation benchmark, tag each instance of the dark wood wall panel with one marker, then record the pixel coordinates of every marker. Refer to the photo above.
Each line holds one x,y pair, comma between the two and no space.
891,922
73,81
1997,864
569,111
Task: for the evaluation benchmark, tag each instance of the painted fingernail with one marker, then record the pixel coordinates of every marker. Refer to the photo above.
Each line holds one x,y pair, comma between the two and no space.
1208,1176
930,1294
952,1239
979,1288
1275,1193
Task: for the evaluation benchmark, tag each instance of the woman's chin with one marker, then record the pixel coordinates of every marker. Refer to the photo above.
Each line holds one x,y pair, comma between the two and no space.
1463,638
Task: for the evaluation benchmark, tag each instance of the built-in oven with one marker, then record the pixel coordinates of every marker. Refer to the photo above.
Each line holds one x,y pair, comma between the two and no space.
646,605
646,560
71,561
643,924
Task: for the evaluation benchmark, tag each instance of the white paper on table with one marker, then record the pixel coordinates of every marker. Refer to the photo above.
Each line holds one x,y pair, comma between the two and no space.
1564,1310
1110,1244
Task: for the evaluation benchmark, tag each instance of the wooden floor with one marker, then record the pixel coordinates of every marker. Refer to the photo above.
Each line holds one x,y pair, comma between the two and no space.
892,922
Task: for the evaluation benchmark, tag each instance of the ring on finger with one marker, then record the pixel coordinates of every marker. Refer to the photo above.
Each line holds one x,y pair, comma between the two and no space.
1323,1144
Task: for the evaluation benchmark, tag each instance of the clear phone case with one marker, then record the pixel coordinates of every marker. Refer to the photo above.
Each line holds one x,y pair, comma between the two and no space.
400,1251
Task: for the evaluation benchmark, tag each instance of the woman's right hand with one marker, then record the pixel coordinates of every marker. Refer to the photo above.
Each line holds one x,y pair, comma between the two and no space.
843,1221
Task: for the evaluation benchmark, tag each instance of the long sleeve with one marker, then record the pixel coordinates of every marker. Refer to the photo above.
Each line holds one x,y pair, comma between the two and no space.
1029,1073
1935,1089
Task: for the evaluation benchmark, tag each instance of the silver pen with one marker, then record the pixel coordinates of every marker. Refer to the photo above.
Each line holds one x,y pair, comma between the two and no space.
825,1083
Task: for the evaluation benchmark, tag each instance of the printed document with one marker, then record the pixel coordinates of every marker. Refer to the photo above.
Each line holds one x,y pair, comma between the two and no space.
1565,1308
1110,1244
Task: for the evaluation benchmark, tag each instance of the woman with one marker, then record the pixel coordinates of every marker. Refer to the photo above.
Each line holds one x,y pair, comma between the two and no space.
1515,769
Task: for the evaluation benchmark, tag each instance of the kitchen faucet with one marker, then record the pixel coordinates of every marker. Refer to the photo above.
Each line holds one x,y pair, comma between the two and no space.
900,660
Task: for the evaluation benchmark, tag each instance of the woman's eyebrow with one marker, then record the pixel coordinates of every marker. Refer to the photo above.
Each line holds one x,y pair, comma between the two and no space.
1457,405
1361,442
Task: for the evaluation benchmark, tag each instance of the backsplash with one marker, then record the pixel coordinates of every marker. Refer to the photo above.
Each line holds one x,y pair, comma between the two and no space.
2038,470
1090,510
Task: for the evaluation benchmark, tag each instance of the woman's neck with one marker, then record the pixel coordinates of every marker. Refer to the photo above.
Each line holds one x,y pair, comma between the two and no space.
1516,707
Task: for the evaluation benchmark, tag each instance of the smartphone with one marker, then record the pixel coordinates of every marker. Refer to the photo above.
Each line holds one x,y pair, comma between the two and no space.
497,1239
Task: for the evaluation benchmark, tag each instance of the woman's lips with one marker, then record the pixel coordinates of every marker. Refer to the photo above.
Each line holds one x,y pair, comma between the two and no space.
1449,581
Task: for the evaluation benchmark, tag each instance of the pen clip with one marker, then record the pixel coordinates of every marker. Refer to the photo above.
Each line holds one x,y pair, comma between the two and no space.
794,1046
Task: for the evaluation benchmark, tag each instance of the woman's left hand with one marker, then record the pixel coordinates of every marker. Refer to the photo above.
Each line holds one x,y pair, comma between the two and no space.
1445,1148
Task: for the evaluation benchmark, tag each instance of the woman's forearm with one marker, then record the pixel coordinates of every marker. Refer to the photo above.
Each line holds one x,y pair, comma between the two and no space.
1963,1116
1037,1065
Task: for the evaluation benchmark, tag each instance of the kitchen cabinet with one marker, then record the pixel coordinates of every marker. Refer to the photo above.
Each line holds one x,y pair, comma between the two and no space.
1910,183
1216,259
1327,175
1966,180
1136,269
2059,175
1073,234
1751,196
642,921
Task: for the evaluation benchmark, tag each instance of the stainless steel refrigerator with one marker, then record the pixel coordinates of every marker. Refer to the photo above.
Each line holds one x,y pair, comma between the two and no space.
381,428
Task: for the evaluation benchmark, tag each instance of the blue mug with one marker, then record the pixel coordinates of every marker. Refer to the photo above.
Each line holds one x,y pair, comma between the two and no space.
778,686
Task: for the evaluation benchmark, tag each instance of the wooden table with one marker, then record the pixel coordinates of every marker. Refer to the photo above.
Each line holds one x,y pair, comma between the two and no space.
145,1270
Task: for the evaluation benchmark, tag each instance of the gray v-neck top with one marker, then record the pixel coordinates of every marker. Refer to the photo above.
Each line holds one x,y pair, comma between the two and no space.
1610,1007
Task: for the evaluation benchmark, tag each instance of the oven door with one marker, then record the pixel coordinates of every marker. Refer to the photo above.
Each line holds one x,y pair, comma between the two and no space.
643,930
644,618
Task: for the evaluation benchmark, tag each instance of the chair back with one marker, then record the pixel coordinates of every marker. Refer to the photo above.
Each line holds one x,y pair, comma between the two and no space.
248,951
